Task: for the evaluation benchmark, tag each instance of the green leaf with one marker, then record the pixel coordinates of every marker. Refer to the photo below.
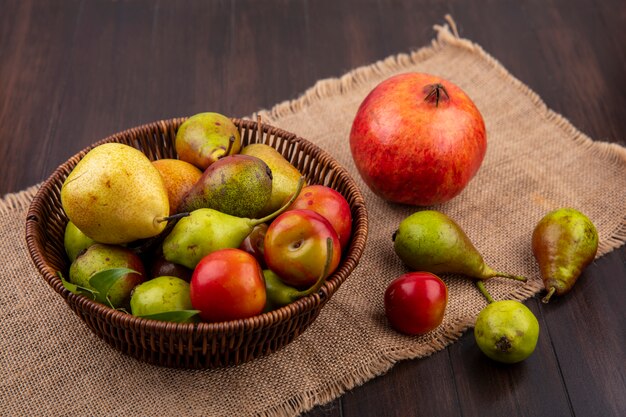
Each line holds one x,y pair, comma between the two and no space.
103,280
77,289
176,316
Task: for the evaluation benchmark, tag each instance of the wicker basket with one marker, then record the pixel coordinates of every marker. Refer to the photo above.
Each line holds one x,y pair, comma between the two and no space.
194,345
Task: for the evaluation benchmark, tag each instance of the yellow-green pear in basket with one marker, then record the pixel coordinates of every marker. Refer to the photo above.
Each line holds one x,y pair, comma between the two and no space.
285,176
115,195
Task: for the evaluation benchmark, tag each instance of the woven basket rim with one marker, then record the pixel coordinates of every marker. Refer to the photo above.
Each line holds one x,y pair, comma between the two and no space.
350,258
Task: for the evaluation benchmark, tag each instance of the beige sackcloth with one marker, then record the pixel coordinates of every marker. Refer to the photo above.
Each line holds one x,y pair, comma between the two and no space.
536,161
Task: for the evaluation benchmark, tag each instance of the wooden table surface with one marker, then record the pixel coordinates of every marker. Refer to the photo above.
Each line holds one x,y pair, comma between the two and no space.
75,71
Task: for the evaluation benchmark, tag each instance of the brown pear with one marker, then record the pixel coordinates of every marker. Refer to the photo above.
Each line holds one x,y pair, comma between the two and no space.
238,185
564,242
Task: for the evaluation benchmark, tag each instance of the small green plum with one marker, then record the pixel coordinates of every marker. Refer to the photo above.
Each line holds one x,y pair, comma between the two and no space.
160,295
507,331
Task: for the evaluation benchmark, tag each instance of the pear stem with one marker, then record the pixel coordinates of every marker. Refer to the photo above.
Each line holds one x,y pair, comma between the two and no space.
511,276
487,273
231,143
172,217
483,290
320,281
254,222
550,293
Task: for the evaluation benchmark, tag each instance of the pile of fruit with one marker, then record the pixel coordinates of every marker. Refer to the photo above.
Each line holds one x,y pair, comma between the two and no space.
223,232
419,139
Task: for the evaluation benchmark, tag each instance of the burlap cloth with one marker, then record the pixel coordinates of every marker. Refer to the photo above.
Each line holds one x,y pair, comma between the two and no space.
536,161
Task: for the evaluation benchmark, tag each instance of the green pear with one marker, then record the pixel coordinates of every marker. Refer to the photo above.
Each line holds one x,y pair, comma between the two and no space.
207,230
239,185
431,241
99,257
115,195
564,242
75,241
284,175
205,137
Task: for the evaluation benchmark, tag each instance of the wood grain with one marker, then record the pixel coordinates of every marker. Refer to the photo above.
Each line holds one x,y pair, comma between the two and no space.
75,71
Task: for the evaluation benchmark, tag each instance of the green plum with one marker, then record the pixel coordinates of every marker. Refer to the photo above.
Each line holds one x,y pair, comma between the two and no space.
160,295
506,331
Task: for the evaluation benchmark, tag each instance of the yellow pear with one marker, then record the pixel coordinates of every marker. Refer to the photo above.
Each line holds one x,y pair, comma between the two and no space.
115,195
285,176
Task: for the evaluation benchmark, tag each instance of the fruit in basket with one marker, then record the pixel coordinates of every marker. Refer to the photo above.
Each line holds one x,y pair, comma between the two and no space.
279,294
239,185
178,177
564,242
115,195
75,241
295,247
506,331
415,302
228,285
205,137
430,241
330,204
417,139
253,243
99,257
160,295
284,175
207,230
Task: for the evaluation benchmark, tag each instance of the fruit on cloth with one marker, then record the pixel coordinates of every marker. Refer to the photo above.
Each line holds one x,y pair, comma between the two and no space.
415,302
295,247
160,295
284,175
228,285
99,257
238,185
330,204
564,242
431,241
417,139
178,177
115,195
205,137
506,331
